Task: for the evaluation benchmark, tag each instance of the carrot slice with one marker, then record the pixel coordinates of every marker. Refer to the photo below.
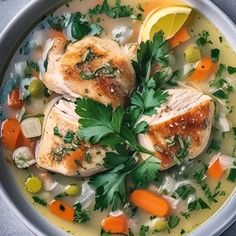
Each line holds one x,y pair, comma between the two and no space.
180,37
150,202
62,210
215,170
205,68
11,131
56,34
14,100
115,224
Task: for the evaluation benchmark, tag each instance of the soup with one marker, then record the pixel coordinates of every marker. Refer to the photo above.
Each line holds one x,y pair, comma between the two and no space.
118,118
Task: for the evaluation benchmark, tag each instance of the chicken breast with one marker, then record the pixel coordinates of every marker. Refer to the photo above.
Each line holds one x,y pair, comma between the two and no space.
181,128
60,149
92,67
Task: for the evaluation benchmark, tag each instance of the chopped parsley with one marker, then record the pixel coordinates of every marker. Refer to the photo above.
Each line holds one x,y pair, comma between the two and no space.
184,191
116,11
56,132
30,67
40,200
232,175
80,215
214,145
69,137
143,230
197,205
56,22
203,39
173,221
231,70
215,55
88,158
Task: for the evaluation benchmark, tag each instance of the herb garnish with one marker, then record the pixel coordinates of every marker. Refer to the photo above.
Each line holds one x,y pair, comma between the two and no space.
173,221
197,205
143,230
232,175
116,11
231,70
203,38
215,55
80,216
184,191
39,200
30,67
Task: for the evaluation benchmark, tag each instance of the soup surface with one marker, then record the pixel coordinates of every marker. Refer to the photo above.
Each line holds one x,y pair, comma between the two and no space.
119,118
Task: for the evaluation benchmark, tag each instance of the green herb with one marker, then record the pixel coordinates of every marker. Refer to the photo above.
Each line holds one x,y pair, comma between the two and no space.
175,78
232,175
141,128
110,187
182,231
171,141
231,70
197,205
184,144
56,132
117,11
186,215
88,158
221,39
220,93
143,230
184,191
60,152
224,88
173,221
100,124
234,132
203,39
146,172
39,200
56,22
199,173
29,67
215,55
61,195
80,216
214,145
113,160
95,29
25,48
68,138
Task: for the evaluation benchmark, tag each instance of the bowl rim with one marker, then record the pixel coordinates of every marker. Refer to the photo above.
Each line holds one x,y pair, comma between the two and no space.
34,221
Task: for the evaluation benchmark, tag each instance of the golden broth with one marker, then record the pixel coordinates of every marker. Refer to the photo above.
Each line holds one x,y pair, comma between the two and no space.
195,25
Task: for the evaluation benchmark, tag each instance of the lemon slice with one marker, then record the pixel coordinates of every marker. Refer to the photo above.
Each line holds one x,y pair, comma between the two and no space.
168,19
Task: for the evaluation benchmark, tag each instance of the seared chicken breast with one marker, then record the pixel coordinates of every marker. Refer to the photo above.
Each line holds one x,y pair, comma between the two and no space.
92,67
60,149
181,128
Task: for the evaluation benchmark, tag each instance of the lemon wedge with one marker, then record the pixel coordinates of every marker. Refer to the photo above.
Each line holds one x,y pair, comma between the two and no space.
168,19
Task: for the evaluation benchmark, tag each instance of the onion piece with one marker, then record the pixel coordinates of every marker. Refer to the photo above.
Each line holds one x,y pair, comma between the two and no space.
87,195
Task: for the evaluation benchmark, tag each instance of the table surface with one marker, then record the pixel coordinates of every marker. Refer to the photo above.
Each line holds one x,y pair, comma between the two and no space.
10,225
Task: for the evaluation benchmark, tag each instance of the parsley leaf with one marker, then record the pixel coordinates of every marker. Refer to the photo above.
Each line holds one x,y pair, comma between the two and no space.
232,175
215,55
116,11
100,124
110,187
146,172
197,205
143,230
39,200
173,221
231,70
203,39
80,216
113,160
184,191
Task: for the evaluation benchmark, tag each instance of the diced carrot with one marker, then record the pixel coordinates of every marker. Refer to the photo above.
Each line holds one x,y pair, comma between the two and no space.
150,202
75,158
11,131
180,37
56,34
115,224
14,100
215,170
12,136
62,210
205,68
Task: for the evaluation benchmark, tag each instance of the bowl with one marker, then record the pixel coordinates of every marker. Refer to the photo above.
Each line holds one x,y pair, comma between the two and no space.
10,40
